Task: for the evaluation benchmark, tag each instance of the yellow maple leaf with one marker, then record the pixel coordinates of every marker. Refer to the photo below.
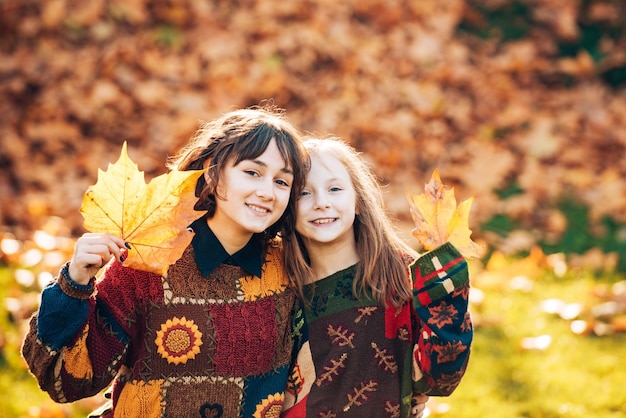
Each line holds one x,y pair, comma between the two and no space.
153,218
438,219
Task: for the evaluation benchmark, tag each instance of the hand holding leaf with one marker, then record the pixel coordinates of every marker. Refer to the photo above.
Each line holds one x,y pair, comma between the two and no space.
438,219
152,218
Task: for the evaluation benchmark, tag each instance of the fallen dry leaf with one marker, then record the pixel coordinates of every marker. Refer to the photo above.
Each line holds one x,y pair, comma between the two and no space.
438,219
153,218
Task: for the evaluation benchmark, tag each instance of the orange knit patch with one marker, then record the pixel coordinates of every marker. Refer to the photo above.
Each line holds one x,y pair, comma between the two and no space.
140,400
272,282
77,362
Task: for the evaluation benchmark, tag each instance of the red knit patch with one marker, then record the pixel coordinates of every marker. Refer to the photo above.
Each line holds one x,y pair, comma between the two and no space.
425,347
394,320
297,411
246,337
424,299
102,344
115,290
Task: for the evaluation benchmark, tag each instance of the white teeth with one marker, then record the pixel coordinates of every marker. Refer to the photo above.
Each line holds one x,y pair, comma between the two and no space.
258,209
324,221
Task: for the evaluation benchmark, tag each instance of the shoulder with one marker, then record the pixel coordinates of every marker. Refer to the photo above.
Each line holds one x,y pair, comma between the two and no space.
274,251
273,262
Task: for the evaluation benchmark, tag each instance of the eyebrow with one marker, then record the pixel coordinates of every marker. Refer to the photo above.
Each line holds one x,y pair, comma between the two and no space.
285,169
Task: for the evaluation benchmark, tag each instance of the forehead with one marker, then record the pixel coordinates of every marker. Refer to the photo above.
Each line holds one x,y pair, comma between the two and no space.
325,166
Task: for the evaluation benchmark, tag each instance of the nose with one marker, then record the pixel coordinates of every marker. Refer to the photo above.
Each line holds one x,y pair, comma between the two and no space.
266,190
321,202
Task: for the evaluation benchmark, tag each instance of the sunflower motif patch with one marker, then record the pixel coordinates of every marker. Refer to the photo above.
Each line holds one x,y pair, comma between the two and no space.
178,340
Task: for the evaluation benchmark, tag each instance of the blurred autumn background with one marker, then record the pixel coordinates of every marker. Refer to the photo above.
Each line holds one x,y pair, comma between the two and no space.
520,103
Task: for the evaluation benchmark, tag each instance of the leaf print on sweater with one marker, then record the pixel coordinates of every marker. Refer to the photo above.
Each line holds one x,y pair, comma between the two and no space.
450,381
403,334
443,314
332,370
319,304
360,394
344,288
385,361
365,311
392,409
461,292
339,336
449,352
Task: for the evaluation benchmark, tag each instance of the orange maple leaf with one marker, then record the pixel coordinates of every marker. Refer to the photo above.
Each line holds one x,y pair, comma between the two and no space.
438,219
153,218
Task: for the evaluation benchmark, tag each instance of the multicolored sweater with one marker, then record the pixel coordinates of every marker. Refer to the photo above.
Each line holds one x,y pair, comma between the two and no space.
363,360
209,339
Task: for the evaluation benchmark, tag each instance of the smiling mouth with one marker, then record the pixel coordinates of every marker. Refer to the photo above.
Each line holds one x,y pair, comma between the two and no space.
324,221
258,209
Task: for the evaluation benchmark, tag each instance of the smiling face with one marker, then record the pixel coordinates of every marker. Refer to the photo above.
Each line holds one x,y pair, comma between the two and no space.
327,206
253,196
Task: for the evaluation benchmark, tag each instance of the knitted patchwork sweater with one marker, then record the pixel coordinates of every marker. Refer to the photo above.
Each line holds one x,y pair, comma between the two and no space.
189,344
363,360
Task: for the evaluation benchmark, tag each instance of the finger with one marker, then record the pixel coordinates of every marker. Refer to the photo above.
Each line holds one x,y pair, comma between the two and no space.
93,255
118,247
418,404
103,245
421,398
119,242
115,244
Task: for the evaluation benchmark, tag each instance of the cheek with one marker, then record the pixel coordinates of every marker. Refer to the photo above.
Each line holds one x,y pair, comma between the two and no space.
300,216
282,199
300,225
356,204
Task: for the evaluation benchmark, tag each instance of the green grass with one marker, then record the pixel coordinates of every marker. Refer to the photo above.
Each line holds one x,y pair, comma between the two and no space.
21,396
576,376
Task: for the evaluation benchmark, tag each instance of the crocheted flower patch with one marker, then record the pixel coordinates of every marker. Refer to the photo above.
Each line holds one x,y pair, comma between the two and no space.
178,340
270,407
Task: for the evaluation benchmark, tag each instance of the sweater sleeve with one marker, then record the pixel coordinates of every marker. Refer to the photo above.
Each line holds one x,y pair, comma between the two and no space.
442,324
74,345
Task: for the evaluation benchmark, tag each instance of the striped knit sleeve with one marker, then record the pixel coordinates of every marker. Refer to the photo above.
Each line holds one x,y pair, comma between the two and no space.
443,326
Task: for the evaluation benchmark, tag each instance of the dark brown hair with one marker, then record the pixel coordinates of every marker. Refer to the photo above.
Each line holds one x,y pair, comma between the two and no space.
243,134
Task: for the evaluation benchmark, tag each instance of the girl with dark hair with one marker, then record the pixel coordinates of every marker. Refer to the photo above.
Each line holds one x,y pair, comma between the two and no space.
212,337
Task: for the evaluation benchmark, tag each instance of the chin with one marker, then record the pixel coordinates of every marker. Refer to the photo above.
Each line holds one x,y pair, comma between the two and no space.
258,230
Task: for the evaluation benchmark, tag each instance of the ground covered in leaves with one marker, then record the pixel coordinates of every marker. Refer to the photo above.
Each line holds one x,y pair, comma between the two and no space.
519,103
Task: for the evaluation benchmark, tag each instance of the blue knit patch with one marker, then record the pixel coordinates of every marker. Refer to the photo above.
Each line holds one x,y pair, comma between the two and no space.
54,326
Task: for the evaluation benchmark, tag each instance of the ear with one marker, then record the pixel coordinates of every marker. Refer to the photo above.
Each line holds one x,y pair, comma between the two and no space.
205,164
219,188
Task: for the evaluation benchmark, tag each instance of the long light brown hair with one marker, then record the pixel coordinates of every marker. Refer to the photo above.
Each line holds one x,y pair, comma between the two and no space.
384,256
